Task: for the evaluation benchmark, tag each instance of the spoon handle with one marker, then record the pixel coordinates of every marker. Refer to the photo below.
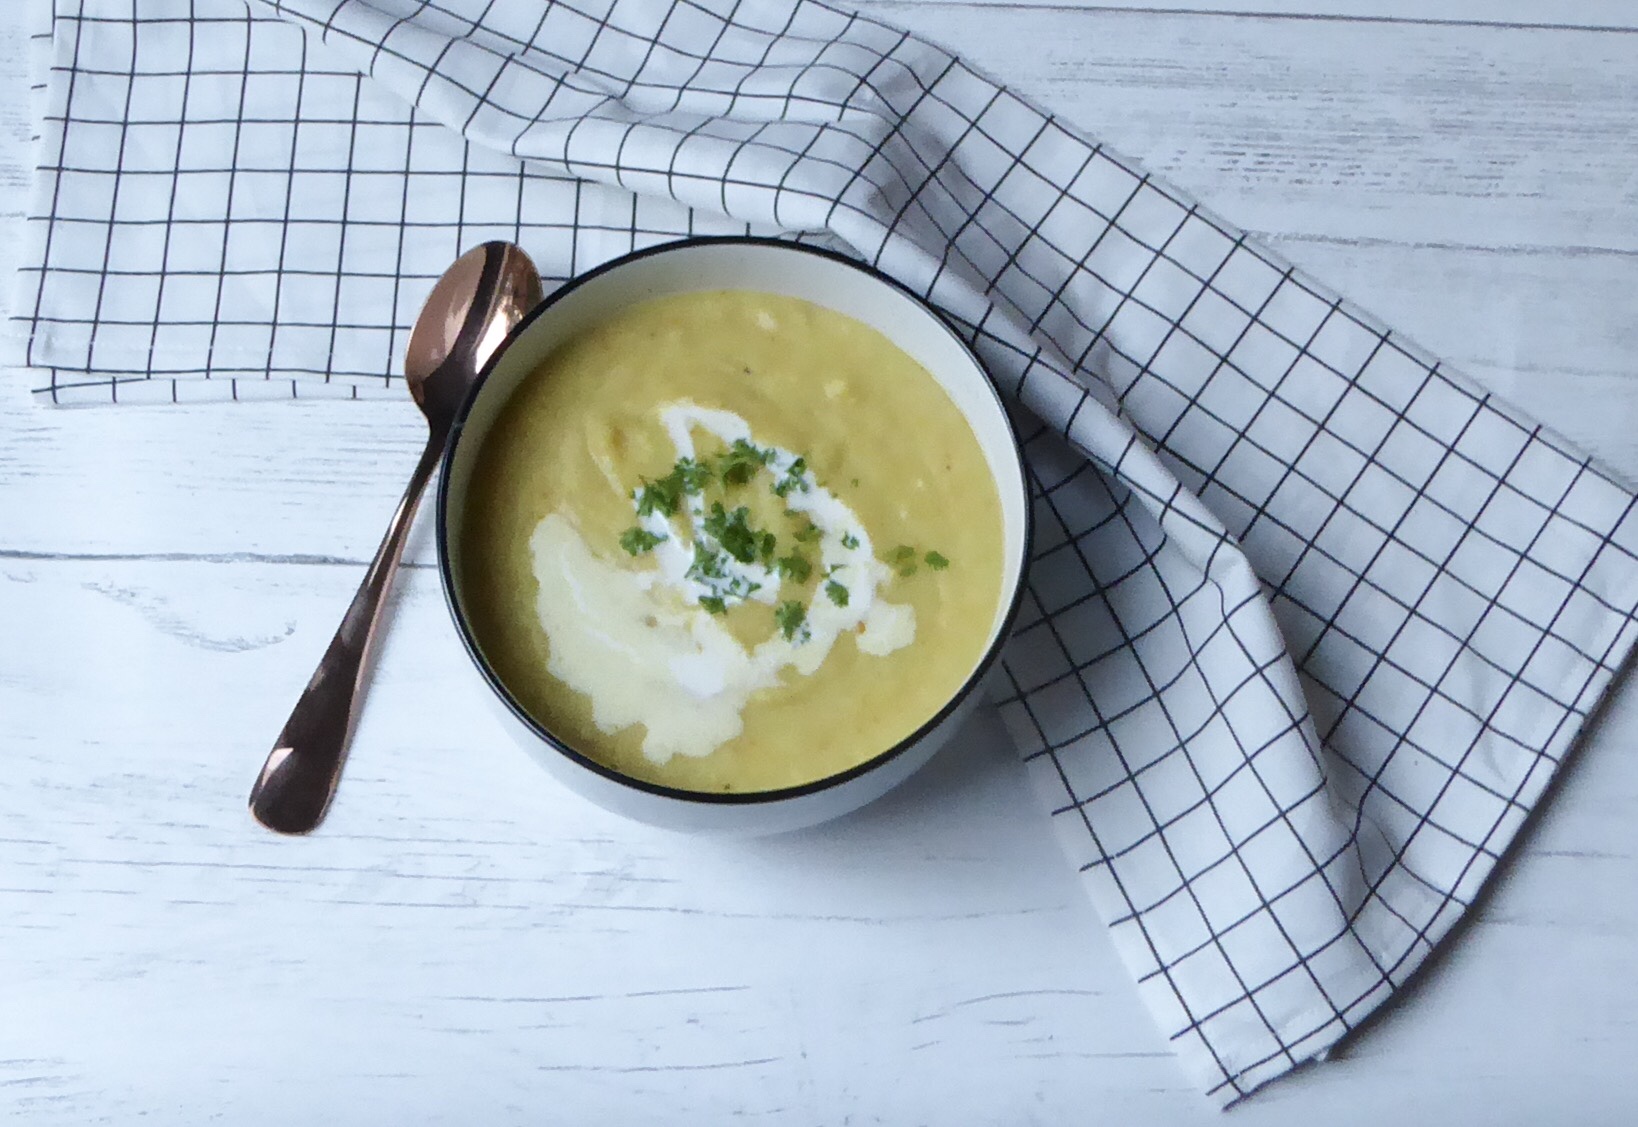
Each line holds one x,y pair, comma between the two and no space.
299,778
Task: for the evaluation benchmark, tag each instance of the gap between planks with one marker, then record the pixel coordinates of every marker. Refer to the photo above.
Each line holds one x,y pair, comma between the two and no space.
1521,15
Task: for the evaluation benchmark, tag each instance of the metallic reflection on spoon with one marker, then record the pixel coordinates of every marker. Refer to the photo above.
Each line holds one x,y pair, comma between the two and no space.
479,299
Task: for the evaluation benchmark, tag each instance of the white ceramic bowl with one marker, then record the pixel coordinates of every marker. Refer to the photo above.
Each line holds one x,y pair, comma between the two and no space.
772,266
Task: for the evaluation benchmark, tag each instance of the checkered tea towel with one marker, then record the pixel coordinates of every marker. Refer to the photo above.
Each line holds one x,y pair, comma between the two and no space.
1312,619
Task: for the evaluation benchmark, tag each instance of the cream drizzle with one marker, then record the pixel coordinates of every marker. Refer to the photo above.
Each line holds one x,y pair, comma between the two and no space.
640,646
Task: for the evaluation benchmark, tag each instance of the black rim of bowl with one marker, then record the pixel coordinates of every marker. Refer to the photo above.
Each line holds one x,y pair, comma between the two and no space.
729,798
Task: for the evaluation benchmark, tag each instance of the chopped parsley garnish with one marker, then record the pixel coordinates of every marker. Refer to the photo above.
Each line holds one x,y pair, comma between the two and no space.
687,478
638,540
724,534
791,615
733,531
707,564
741,461
793,479
661,496
741,588
795,566
692,476
737,588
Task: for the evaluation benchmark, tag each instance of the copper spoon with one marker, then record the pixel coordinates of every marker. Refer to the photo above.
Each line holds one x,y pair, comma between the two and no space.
472,307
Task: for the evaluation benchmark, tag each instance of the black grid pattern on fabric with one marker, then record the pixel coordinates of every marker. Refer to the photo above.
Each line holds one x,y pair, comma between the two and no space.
1311,619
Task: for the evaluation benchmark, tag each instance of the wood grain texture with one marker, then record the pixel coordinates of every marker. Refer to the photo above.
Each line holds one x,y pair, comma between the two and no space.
1593,14
465,940
465,943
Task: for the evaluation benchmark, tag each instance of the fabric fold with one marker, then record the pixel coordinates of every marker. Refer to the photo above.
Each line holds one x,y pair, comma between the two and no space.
1311,619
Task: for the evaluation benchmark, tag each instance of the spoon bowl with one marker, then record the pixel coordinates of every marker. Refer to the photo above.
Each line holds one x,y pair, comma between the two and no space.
470,311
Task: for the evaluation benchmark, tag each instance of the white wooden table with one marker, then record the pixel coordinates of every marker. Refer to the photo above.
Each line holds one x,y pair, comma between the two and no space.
466,943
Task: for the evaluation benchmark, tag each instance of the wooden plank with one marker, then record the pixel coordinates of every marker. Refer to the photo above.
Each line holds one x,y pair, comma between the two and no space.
1590,14
1502,239
1466,136
464,930
465,942
1552,333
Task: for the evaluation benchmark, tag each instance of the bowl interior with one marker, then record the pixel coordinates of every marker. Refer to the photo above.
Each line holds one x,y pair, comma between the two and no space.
772,267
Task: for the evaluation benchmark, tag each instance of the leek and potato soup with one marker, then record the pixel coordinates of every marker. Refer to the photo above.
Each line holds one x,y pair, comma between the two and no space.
731,541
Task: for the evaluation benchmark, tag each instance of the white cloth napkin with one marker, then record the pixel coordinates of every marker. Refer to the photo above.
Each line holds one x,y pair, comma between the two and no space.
1312,619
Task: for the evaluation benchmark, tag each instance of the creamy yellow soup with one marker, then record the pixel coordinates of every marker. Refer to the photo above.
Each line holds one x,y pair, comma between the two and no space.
731,541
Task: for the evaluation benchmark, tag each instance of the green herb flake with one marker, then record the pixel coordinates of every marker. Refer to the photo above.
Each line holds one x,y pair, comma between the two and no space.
793,481
687,478
791,615
795,567
936,561
849,541
836,593
733,532
636,541
714,604
901,554
692,476
765,545
661,496
741,588
907,571
809,534
707,564
741,461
